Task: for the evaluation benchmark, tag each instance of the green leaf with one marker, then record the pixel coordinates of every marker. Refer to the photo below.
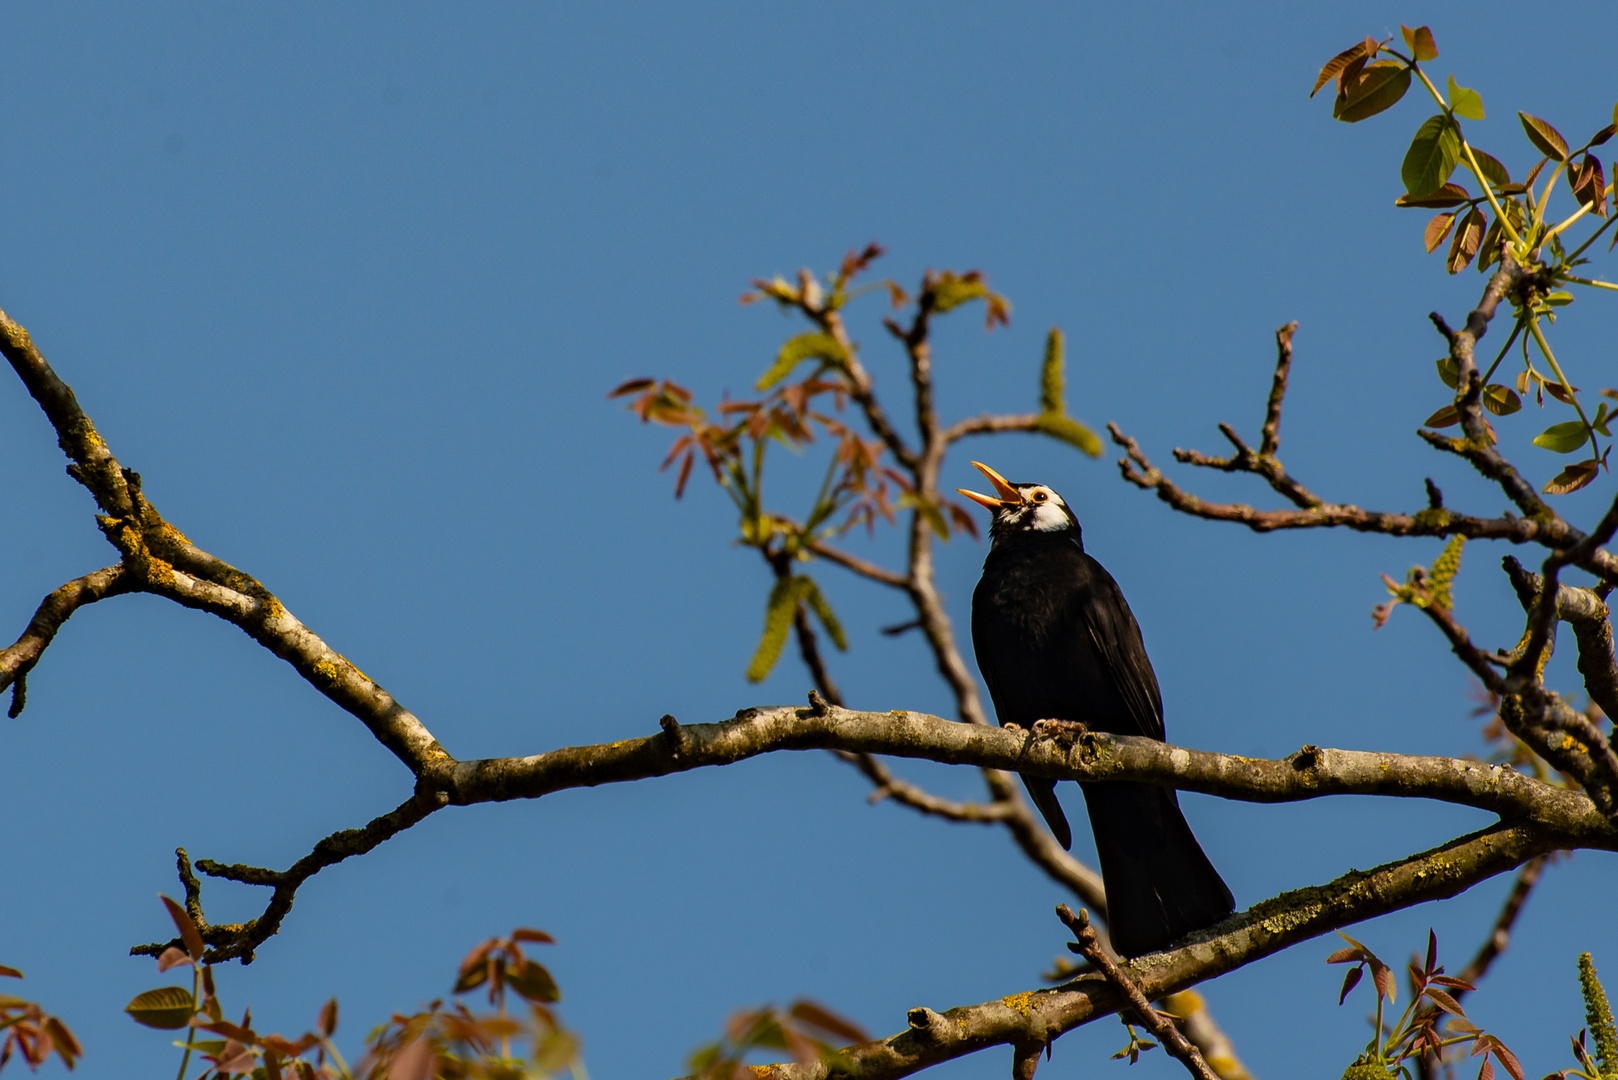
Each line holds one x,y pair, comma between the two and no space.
1562,438
1494,172
1449,371
1444,417
1379,87
817,604
1069,431
533,982
803,347
1501,400
1546,139
778,613
1431,157
1050,375
1559,298
1464,102
1420,41
166,1008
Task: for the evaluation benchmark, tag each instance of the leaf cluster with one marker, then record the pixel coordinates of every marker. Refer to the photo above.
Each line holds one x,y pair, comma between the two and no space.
1431,1023
30,1033
1506,218
809,1032
448,1043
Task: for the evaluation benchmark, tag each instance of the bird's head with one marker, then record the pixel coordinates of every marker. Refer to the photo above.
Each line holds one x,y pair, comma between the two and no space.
1020,508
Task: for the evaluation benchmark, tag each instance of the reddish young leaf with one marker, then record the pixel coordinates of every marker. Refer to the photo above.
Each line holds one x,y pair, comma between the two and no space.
1557,391
172,958
1382,975
1350,980
328,1018
1590,185
1487,1071
187,928
1465,243
633,386
1507,1058
685,474
1575,476
1445,1002
234,1058
10,972
829,1022
1437,230
1450,194
1378,87
1334,67
1432,952
1343,956
415,1062
1546,139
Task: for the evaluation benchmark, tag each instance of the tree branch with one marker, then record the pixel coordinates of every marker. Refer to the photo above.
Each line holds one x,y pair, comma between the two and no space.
239,940
1038,1016
989,425
865,569
1173,1040
19,659
1312,772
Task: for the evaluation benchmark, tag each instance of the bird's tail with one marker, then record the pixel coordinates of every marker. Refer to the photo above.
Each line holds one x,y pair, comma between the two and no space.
1043,792
1160,885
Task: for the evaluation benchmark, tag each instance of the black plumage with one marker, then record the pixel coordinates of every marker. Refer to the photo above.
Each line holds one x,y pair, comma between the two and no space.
1055,640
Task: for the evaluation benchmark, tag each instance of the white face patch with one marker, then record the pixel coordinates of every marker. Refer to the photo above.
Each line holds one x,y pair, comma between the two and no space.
1042,510
1050,516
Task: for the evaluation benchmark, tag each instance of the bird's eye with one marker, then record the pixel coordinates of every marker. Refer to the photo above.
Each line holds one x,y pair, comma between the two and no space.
1039,496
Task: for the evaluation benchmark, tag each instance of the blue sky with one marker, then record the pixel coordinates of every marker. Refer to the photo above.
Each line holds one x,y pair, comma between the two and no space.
348,286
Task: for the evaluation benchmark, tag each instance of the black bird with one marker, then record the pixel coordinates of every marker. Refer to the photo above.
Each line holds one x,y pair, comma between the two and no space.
1056,641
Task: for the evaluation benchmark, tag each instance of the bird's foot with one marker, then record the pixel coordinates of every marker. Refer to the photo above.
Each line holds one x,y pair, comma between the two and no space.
1053,728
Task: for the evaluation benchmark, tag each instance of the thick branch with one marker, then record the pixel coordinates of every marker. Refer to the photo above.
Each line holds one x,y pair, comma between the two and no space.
158,559
1311,773
270,624
1038,1016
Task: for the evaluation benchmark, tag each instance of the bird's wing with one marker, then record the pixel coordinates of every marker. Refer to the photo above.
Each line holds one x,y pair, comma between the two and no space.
1117,641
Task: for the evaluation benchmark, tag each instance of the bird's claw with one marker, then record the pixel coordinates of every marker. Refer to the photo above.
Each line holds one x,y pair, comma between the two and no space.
1053,727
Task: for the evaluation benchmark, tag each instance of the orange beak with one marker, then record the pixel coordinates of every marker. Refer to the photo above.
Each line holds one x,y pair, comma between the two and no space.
1009,496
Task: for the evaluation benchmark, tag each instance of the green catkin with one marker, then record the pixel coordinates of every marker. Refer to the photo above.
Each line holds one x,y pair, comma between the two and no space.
1598,1017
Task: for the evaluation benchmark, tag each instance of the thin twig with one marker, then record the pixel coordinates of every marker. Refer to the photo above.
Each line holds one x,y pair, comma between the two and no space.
19,659
1170,1036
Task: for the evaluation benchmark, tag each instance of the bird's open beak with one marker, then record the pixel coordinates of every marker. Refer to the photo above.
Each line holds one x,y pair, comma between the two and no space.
1009,496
